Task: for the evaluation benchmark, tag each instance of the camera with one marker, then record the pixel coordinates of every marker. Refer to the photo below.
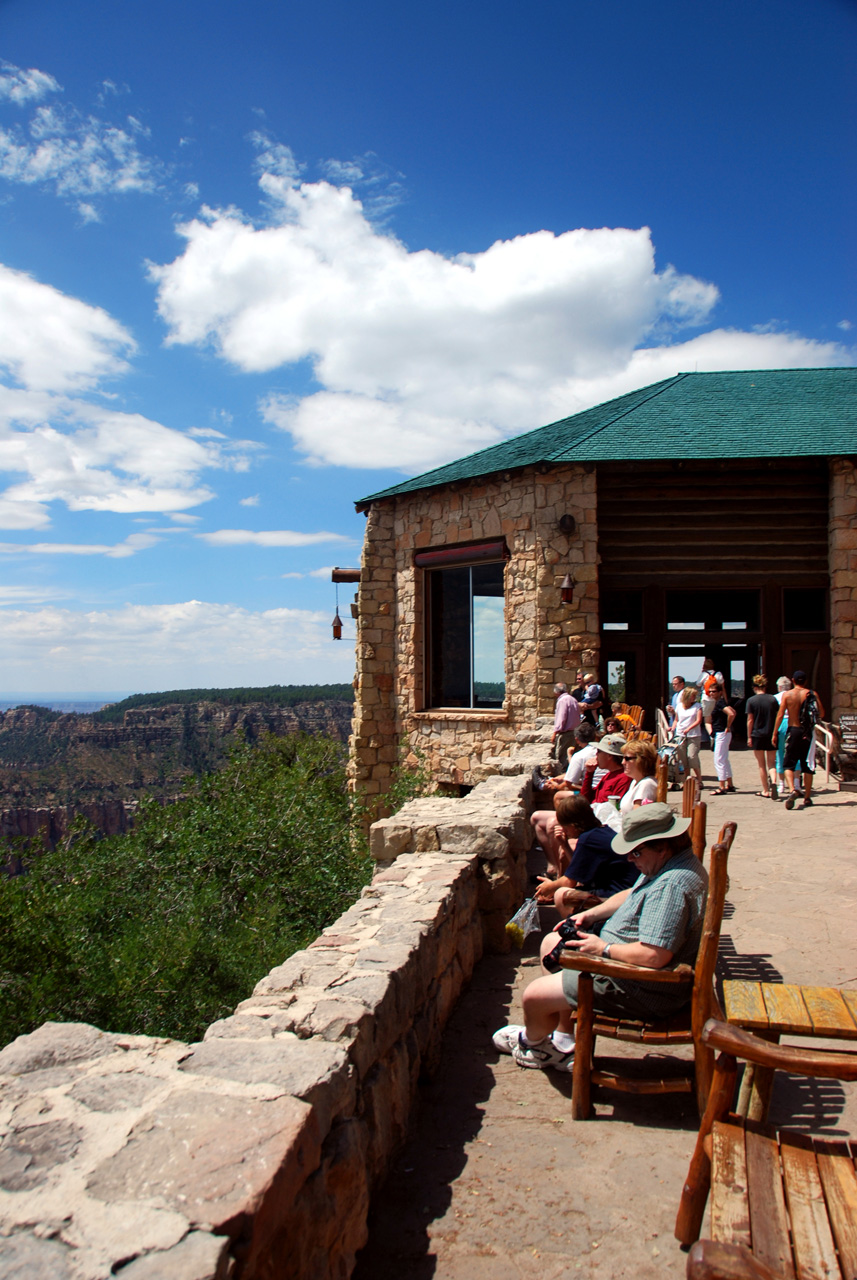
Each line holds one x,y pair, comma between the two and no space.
567,932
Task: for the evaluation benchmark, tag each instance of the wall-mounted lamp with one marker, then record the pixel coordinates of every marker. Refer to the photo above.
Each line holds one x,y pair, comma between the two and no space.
337,625
566,590
568,525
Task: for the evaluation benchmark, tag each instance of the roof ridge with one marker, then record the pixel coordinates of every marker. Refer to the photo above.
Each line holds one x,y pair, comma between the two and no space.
661,388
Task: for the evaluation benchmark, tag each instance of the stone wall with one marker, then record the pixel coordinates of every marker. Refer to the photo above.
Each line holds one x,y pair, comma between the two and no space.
843,585
252,1154
545,639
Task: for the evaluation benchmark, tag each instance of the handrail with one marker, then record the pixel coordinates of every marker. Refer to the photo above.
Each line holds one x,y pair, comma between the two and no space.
825,741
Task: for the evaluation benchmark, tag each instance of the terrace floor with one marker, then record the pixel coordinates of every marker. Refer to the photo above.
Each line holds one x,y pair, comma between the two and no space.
496,1179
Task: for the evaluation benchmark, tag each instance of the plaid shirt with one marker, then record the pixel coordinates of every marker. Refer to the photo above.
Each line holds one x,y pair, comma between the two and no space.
664,910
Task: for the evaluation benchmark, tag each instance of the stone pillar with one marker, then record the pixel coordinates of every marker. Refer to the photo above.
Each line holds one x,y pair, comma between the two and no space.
567,633
374,729
843,585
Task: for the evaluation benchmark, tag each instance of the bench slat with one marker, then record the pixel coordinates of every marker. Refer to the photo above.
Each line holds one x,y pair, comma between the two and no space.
815,1254
829,1013
730,1216
769,1221
839,1179
744,1004
786,1009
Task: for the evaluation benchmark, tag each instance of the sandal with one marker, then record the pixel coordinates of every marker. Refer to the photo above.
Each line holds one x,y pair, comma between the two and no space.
721,791
764,795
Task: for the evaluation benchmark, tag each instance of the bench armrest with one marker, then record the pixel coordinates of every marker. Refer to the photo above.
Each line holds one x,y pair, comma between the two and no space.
630,972
750,1048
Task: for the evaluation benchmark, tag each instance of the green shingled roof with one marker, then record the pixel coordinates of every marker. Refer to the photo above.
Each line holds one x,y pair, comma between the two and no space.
767,413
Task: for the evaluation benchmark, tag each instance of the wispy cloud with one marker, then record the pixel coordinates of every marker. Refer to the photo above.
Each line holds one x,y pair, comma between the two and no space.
188,644
80,157
268,538
20,87
118,551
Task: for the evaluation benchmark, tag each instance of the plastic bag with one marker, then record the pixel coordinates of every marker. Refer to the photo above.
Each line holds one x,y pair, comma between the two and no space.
524,921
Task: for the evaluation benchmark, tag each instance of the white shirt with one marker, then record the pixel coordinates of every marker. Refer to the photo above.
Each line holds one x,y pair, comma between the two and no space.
684,715
642,789
577,766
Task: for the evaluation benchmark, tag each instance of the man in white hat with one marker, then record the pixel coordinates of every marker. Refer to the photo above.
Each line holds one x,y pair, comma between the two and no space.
657,922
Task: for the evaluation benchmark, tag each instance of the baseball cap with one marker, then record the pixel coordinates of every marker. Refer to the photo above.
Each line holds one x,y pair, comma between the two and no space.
649,822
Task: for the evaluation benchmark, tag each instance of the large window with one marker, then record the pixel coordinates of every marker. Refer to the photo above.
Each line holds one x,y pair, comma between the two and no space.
465,631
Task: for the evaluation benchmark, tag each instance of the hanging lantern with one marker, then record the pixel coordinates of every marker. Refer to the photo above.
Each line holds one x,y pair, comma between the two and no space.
566,590
337,625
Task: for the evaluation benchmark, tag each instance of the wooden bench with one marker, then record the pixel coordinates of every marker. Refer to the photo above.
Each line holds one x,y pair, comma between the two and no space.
773,1009
783,1205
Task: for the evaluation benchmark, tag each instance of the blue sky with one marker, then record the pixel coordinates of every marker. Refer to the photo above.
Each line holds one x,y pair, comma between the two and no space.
258,260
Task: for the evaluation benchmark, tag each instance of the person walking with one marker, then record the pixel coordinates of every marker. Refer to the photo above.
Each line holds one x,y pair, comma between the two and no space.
709,681
721,727
783,686
803,709
762,711
688,726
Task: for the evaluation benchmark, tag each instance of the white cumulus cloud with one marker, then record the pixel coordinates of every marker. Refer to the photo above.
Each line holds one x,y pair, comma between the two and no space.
420,357
59,441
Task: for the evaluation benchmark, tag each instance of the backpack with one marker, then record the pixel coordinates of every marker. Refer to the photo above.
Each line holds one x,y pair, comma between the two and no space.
809,716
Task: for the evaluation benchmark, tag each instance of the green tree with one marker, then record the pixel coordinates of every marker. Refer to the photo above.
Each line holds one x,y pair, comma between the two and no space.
165,929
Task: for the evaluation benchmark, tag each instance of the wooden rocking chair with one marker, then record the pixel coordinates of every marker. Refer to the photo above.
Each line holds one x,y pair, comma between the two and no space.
782,1204
682,1029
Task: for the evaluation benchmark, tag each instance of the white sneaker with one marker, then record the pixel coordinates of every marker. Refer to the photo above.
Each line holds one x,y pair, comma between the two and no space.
507,1037
543,1055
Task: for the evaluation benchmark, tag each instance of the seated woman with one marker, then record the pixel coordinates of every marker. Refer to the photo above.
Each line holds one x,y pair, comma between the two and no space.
640,760
592,872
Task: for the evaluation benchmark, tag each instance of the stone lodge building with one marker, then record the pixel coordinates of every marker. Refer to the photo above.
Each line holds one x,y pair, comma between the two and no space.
709,514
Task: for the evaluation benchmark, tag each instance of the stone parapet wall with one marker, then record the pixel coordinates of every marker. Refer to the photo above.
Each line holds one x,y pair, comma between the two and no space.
843,585
545,639
252,1154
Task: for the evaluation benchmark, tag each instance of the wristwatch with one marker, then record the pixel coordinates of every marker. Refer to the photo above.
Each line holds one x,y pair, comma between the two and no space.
606,952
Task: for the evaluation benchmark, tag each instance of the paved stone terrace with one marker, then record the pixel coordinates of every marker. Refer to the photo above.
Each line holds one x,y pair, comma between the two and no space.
496,1179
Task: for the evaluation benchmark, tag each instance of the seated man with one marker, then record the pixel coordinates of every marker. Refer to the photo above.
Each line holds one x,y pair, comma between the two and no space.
655,923
592,871
615,782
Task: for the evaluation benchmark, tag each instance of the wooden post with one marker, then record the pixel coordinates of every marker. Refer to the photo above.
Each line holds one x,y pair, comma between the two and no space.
581,1079
694,1195
662,775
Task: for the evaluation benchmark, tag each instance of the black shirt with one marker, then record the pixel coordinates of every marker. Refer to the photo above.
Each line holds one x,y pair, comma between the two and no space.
597,868
719,723
764,708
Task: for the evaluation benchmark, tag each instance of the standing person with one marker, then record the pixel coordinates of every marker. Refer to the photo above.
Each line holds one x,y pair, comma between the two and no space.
721,726
709,680
567,716
762,711
688,725
578,691
678,683
593,698
783,686
803,708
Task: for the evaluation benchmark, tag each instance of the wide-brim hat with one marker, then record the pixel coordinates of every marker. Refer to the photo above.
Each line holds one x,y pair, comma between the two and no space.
613,744
648,822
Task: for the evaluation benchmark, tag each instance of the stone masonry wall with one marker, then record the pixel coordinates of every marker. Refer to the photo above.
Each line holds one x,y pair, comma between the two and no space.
843,585
545,639
252,1155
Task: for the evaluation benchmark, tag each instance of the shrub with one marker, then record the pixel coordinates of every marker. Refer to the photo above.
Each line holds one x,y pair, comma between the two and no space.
165,929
